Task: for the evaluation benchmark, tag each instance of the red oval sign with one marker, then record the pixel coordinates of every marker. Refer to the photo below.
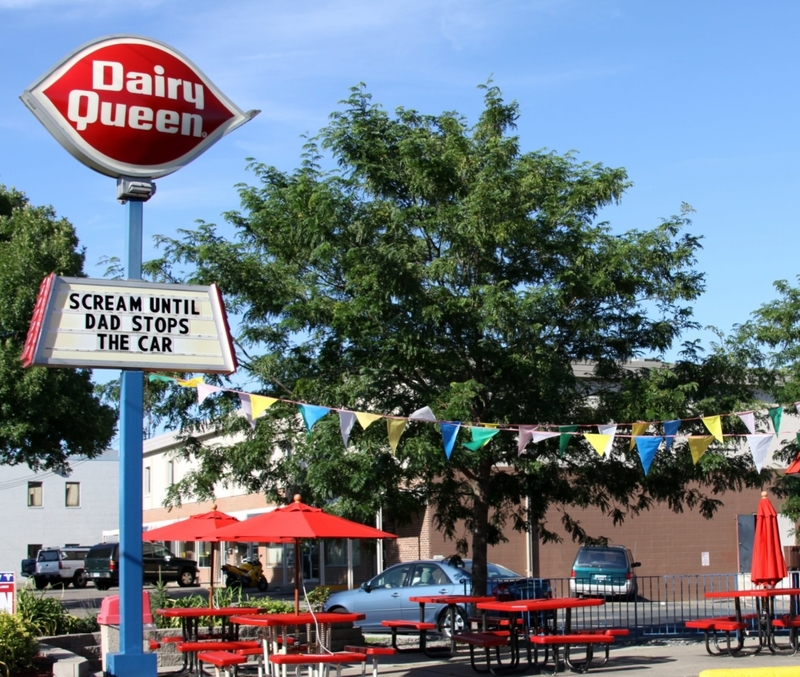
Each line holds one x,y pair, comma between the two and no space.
131,106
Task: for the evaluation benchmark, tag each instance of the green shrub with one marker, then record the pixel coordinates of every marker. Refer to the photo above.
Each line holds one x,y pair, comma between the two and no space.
318,596
271,606
45,615
18,646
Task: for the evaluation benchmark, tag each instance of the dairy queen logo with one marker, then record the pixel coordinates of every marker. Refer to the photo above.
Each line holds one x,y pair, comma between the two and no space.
132,106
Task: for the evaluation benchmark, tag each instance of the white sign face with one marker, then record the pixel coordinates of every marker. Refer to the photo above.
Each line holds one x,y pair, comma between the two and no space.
7,592
705,559
78,322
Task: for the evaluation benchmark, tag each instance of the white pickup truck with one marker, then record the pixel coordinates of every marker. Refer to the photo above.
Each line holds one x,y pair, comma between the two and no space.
61,566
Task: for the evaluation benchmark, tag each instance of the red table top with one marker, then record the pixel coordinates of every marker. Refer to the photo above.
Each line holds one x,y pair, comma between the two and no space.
544,604
761,592
196,611
452,599
273,620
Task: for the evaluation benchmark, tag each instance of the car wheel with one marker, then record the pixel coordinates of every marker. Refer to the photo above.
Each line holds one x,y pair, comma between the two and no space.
460,619
39,582
263,584
102,585
79,580
186,578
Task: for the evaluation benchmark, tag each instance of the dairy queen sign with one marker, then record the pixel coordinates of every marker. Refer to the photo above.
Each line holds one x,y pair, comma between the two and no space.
132,106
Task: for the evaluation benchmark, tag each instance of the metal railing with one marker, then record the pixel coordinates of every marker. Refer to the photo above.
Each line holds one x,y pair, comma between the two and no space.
661,606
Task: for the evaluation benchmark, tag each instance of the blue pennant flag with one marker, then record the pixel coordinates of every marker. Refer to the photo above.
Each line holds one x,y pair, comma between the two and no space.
449,434
670,429
311,414
647,447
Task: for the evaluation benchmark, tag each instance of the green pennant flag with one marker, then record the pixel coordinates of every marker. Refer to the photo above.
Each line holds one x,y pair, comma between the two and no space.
480,436
775,414
565,437
159,377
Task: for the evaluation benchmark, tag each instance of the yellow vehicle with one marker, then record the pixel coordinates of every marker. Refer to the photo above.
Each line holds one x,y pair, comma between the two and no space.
248,574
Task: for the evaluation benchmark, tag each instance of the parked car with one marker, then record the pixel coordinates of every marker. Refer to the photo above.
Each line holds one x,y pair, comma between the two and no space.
603,571
61,566
386,596
28,567
102,565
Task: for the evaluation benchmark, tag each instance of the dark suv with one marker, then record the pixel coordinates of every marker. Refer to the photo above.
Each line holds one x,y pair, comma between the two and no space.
102,565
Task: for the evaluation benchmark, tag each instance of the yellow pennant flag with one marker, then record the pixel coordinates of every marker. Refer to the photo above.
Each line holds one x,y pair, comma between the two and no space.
366,420
698,446
599,442
490,425
259,404
638,429
190,383
714,425
395,428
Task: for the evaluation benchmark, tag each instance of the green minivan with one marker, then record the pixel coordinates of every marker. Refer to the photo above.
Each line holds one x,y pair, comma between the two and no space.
603,571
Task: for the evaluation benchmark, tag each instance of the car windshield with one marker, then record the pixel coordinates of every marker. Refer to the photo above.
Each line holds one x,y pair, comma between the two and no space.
598,557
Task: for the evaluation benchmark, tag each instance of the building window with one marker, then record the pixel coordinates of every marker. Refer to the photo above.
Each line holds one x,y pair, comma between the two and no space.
171,472
147,480
34,494
73,494
336,553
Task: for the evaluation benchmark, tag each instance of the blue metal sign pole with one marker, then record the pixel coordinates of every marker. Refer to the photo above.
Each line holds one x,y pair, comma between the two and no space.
131,661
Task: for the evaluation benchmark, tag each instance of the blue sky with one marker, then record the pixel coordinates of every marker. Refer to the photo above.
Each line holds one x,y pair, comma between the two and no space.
697,100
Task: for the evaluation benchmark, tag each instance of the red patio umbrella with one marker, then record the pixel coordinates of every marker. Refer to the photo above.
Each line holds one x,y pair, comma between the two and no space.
296,522
769,567
202,527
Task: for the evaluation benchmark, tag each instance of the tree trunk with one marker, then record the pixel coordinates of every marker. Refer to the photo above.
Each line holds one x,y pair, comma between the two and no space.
480,534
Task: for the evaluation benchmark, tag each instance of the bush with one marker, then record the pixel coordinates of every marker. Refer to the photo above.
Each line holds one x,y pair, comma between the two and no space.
18,646
46,616
318,596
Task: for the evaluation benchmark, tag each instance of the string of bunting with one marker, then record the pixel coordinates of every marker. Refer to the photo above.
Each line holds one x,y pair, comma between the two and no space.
252,406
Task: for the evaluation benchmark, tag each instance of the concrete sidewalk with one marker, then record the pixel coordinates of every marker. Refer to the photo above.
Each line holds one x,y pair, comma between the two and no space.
671,658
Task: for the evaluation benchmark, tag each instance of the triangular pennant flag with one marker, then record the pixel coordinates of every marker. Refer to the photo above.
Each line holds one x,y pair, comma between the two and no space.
525,434
260,403
647,448
759,447
424,414
537,436
599,442
367,419
346,421
491,425
395,428
204,390
449,434
714,426
189,383
637,429
608,429
775,414
670,428
566,436
311,413
794,468
749,420
246,409
480,436
159,377
698,446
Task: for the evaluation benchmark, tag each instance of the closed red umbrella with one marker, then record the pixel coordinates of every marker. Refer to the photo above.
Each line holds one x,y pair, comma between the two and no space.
296,522
202,527
769,567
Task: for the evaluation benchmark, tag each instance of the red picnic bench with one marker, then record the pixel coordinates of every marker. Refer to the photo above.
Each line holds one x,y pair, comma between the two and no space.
586,639
338,659
414,627
726,624
487,640
221,660
374,651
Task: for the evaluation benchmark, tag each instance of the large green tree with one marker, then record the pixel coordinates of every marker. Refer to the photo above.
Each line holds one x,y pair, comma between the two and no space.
47,416
438,265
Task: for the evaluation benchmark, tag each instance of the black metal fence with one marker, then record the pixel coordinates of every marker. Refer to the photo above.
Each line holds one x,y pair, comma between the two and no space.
661,606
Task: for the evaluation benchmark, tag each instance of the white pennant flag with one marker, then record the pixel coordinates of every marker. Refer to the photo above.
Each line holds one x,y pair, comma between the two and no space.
424,414
609,429
539,436
346,421
749,419
246,410
204,390
525,434
759,447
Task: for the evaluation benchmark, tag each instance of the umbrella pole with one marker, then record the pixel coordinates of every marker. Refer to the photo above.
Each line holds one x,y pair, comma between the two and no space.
298,575
211,578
